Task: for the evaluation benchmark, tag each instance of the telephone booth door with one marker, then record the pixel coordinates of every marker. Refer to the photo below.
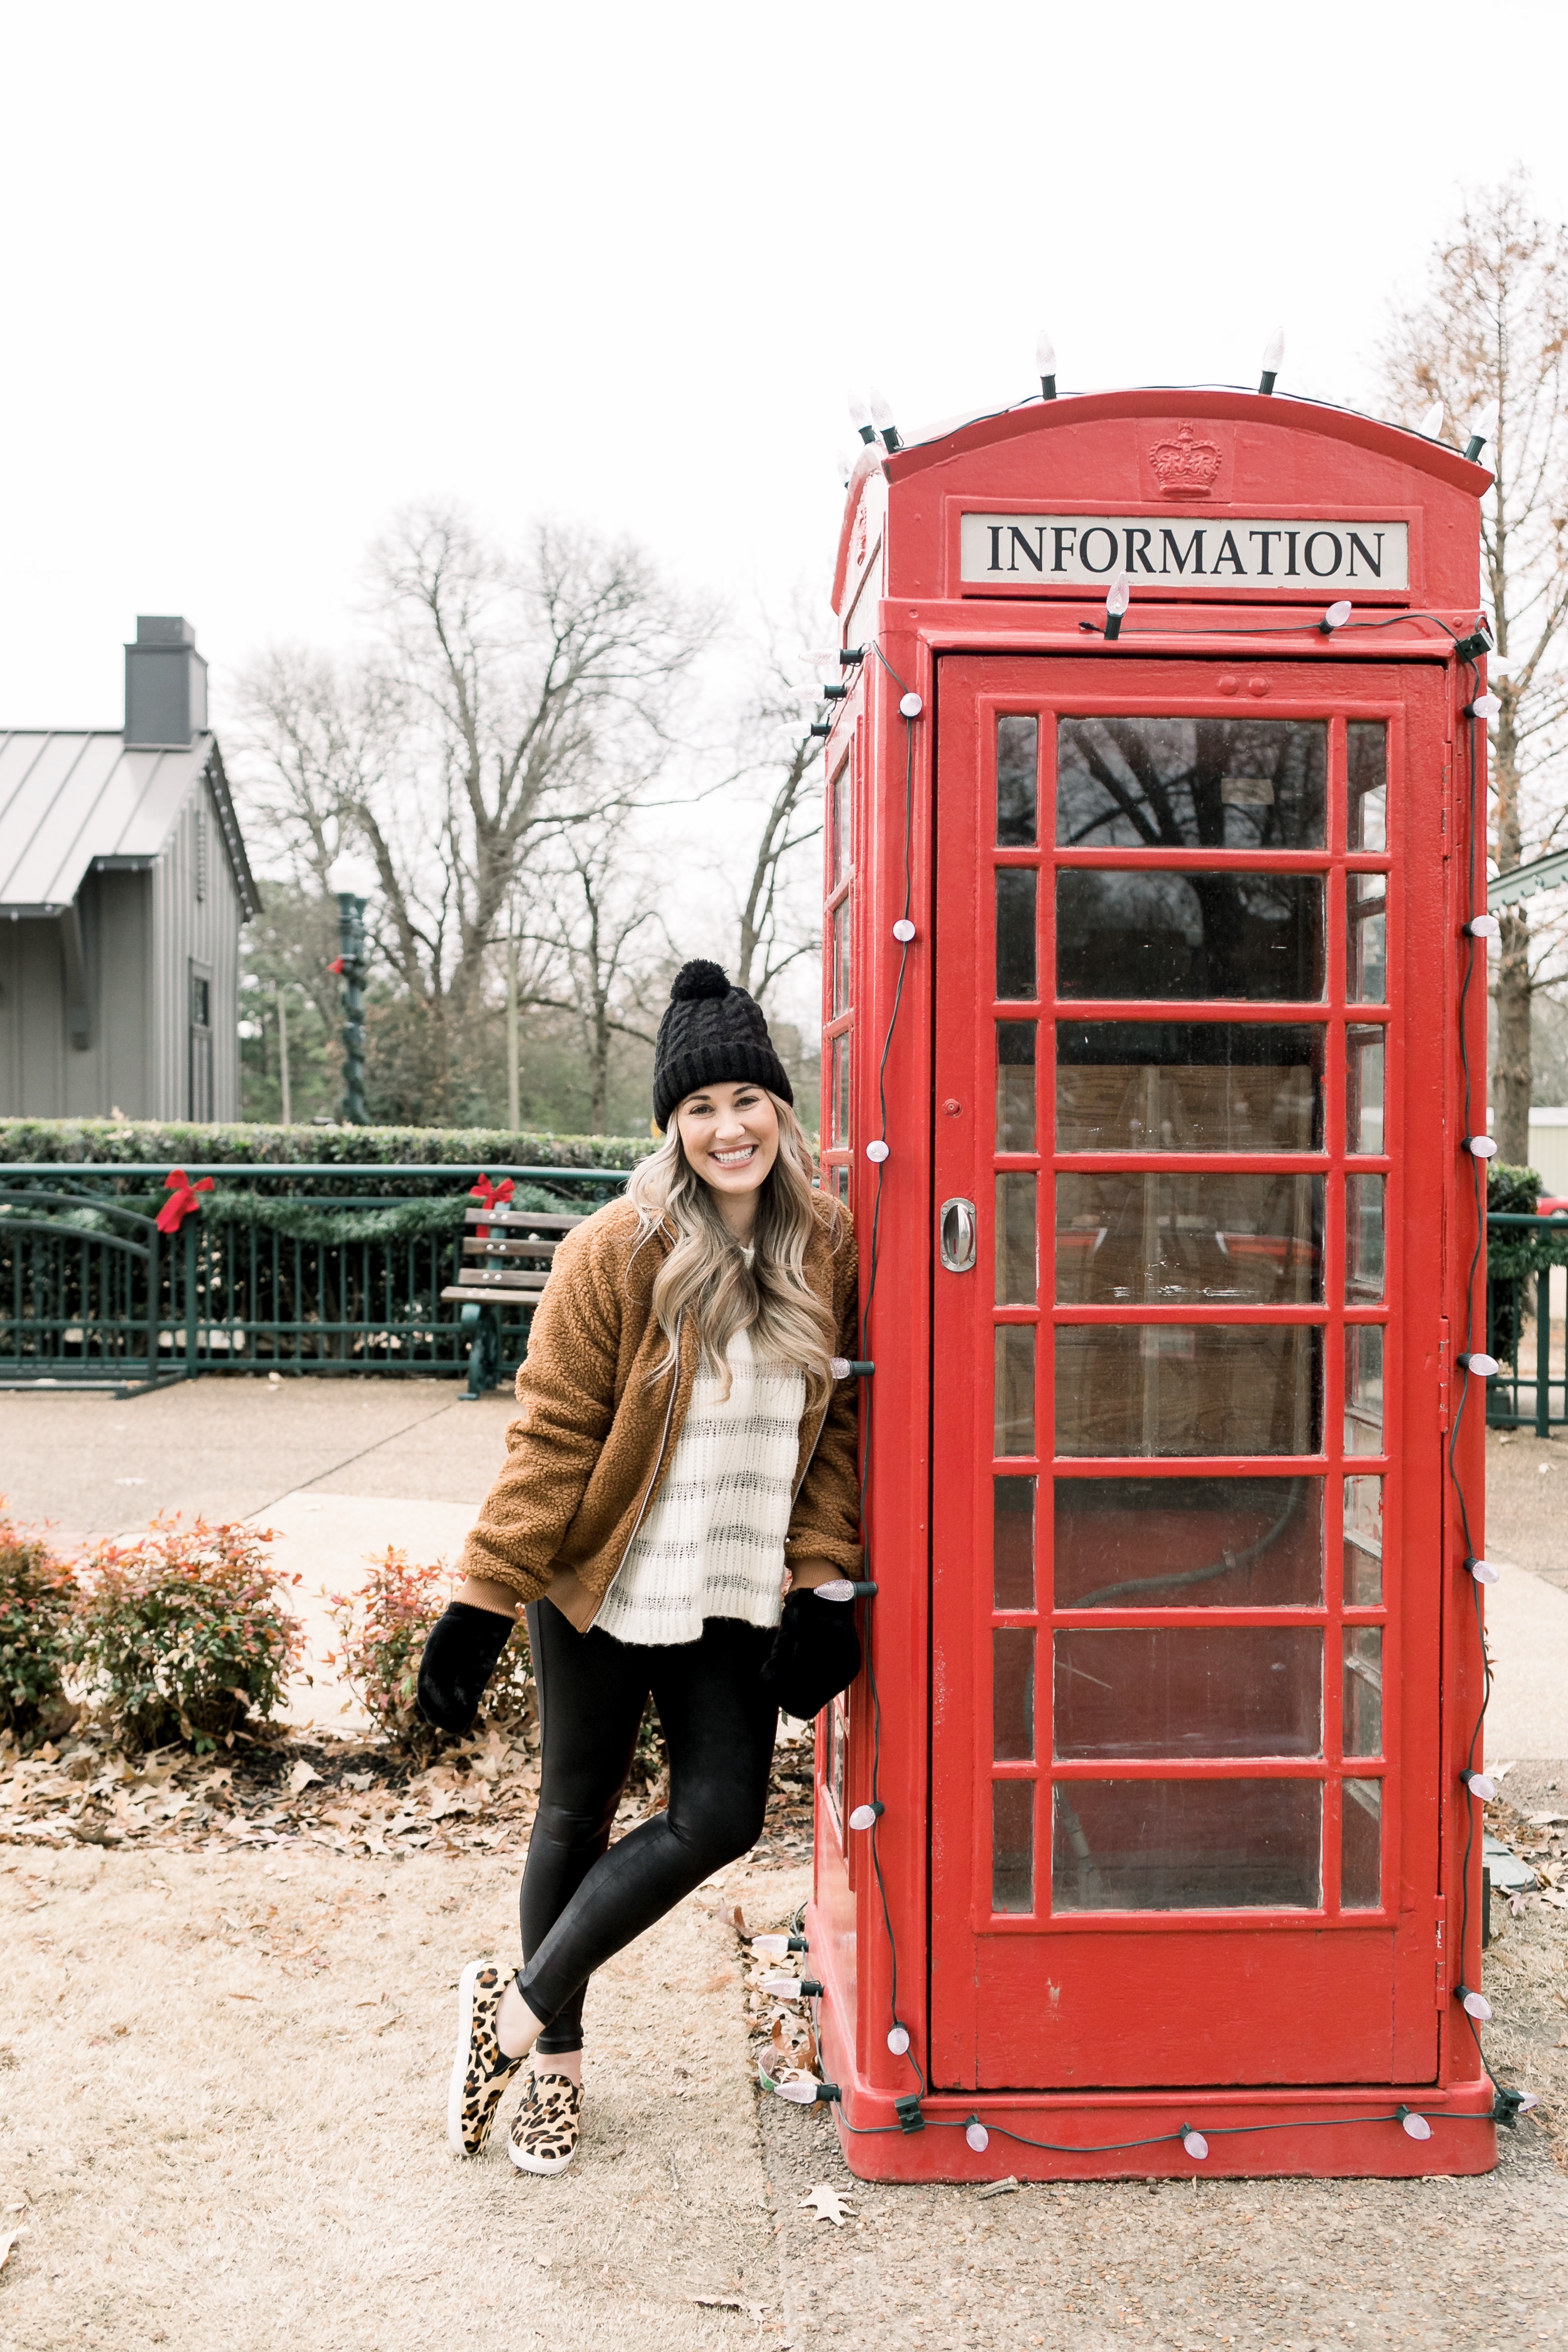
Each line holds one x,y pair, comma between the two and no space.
1188,1352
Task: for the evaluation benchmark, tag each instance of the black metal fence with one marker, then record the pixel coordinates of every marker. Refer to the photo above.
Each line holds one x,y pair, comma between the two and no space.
1526,1255
319,1269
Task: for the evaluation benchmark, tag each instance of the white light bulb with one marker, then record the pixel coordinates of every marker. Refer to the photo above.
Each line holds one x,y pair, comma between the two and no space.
1274,352
801,2095
1485,706
1485,1368
977,2135
1484,1571
1481,1785
881,415
1337,615
1196,2145
1483,1145
1416,2126
1484,927
845,466
858,417
864,1817
909,706
771,1947
1432,423
351,878
788,1986
877,1151
1528,2099
1477,2006
840,1367
1484,421
1045,354
898,2040
1119,595
903,931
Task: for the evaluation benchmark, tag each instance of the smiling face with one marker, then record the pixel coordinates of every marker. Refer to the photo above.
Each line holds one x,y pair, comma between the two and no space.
730,1135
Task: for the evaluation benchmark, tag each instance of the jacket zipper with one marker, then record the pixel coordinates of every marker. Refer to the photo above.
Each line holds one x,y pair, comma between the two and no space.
653,1475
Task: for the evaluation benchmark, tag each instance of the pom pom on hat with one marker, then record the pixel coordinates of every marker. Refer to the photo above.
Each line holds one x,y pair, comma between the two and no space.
698,978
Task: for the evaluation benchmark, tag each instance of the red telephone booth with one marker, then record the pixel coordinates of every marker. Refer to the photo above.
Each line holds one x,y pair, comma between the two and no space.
1149,1061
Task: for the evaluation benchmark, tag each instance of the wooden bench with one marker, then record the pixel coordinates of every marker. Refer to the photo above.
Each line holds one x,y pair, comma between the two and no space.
511,1261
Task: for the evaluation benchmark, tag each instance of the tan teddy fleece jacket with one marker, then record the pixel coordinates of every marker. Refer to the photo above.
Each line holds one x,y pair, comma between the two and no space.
595,1434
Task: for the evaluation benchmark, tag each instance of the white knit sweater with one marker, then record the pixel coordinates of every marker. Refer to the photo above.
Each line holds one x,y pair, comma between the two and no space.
713,1544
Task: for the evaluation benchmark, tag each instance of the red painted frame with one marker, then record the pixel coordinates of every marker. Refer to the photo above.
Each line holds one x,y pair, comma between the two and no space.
895,529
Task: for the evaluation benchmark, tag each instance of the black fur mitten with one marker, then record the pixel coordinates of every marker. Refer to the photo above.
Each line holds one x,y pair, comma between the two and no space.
815,1653
461,1653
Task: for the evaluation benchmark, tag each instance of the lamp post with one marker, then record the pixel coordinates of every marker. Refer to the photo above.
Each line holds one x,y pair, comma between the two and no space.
351,880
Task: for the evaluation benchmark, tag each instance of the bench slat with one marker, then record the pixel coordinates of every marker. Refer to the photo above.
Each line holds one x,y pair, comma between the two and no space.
548,1220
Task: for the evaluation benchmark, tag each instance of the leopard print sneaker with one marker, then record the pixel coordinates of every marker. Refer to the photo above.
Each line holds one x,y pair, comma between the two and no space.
481,2069
544,2129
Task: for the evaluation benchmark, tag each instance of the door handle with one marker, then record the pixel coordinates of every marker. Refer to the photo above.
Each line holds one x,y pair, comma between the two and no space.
956,1234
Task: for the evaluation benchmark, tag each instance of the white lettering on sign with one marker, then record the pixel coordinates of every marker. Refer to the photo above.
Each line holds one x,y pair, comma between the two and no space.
1087,551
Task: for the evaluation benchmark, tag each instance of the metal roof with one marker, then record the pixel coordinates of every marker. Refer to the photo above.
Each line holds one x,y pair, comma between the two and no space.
67,801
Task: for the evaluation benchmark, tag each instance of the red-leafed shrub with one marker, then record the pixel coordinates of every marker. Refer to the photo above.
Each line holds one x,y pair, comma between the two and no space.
182,1633
381,1633
37,1596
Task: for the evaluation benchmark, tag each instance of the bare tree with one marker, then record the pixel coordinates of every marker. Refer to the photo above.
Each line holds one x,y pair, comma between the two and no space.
607,940
778,762
1493,325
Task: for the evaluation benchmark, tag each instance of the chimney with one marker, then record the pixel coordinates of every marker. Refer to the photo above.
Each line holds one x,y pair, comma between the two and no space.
165,684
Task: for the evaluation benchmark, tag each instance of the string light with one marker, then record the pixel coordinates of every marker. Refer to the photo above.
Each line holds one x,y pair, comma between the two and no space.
975,2133
1335,617
777,1947
793,1988
882,419
1484,1146
1046,365
860,419
1483,926
1118,596
1273,358
1195,2143
877,1151
1474,2004
1432,423
903,931
1483,426
865,1817
898,2040
1416,2126
1484,1366
1484,1571
1485,706
909,706
1481,1785
849,653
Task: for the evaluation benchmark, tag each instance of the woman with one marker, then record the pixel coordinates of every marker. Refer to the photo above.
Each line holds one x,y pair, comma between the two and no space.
681,1450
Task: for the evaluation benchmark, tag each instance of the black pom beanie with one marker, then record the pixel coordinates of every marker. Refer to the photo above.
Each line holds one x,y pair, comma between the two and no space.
712,1033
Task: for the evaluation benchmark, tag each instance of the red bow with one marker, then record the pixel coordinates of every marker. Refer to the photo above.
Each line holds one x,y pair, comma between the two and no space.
337,964
490,1196
183,1201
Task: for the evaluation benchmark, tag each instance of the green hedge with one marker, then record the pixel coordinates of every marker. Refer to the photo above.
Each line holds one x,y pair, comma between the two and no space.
130,1142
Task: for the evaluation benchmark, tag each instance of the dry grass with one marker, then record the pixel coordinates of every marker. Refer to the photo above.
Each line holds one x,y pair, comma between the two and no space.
224,2096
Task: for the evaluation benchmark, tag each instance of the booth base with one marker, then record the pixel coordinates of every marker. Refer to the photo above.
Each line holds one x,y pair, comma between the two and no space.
1316,2134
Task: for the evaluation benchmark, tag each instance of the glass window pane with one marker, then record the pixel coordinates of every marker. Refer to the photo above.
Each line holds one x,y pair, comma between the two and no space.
1013,1543
1188,1543
1192,784
1189,1086
1013,1694
1018,787
1366,939
841,1183
1366,755
1012,1846
1188,1388
1189,1690
841,1091
1363,1542
1255,1241
1016,1086
843,848
1254,936
1014,1387
1015,969
1361,1844
1364,1091
1363,1388
841,957
1364,1240
837,1757
1363,1690
1186,1845
1017,1255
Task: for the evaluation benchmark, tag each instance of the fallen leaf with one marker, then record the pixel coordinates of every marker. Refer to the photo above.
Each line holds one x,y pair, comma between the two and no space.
244,1996
738,1921
301,1777
827,2205
1007,2188
7,2242
718,2301
717,1984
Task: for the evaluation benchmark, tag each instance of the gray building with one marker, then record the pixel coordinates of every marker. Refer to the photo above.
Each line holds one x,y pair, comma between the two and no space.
123,886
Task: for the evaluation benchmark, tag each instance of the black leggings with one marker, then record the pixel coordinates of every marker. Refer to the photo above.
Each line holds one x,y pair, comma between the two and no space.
582,1899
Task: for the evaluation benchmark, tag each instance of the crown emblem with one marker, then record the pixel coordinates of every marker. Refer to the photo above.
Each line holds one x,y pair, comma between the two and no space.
1186,465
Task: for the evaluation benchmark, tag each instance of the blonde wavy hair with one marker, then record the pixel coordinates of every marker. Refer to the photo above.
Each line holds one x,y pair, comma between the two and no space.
706,1275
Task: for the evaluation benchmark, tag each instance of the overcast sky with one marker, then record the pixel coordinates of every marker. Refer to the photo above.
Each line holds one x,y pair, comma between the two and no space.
271,272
